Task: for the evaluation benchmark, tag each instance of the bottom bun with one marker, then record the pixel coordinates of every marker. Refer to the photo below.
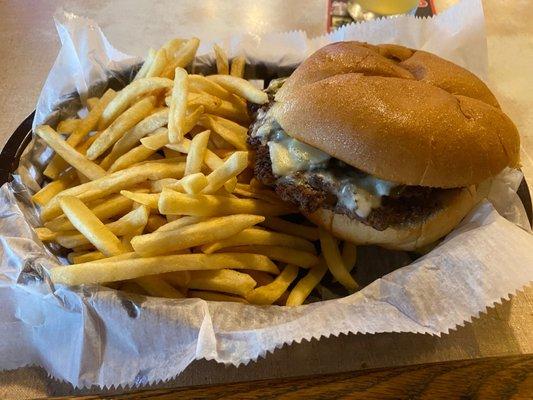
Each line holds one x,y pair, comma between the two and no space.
455,205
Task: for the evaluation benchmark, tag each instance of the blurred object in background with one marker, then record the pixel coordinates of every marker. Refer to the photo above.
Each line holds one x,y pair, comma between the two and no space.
342,12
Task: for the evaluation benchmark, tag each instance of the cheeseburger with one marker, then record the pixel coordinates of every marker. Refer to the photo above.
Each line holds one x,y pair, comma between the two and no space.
381,144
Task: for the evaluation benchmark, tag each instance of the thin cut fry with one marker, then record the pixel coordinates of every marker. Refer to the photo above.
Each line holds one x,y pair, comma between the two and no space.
65,181
181,222
68,153
280,225
349,255
286,255
128,95
233,126
92,102
223,280
157,287
334,261
101,271
67,126
171,202
232,167
214,296
156,141
183,57
164,242
268,294
241,87
221,60
148,199
196,154
209,102
199,83
45,235
260,237
82,257
237,66
193,184
236,139
90,226
158,64
120,125
178,106
146,65
305,286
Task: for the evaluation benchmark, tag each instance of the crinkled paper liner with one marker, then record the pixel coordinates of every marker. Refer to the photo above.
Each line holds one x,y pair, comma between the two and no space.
96,336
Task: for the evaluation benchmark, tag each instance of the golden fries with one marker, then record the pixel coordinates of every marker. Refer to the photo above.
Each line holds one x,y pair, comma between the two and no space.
305,286
193,184
44,195
67,126
290,228
196,153
268,294
241,87
199,84
237,66
146,65
236,139
221,60
232,167
150,200
164,242
223,280
178,106
282,254
68,153
214,296
182,57
334,261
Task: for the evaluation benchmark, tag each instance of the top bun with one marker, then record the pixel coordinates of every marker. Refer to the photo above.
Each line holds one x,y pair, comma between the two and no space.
400,115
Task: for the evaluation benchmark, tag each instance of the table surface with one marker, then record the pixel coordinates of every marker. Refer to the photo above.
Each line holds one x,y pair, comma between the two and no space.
28,47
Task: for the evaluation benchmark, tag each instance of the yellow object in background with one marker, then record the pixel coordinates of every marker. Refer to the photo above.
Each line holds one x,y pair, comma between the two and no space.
388,7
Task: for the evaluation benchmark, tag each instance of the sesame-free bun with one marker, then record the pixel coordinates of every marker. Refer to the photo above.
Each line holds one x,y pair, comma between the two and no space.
401,129
455,205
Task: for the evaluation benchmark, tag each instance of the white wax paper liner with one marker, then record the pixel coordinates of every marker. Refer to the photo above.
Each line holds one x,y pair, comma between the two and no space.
95,336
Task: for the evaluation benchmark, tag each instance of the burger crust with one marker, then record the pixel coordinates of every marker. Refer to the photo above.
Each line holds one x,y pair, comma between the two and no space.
455,206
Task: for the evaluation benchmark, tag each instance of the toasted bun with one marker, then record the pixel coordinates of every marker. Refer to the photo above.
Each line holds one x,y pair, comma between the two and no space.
443,130
456,204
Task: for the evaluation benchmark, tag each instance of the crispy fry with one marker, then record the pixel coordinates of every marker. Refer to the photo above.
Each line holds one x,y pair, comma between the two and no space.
181,222
68,153
156,141
232,167
183,57
57,165
280,225
286,255
223,280
214,296
349,255
221,60
171,202
128,95
241,87
158,64
229,124
305,286
237,66
147,64
196,153
199,84
154,222
45,235
334,260
173,46
67,126
82,257
101,271
120,125
178,106
164,242
90,226
209,102
113,183
92,102
260,237
236,139
148,199
43,196
268,294
211,159
157,287
193,184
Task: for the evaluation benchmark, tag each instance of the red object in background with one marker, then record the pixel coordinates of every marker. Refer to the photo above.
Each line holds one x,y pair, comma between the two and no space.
338,14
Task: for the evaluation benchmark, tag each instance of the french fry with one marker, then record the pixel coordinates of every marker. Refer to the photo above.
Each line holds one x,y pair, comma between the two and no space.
177,278
57,165
120,125
147,64
68,153
268,294
196,153
92,102
113,183
67,126
124,256
199,84
221,60
193,184
209,102
334,261
232,167
237,66
241,87
211,159
181,222
90,226
157,186
173,46
101,271
349,255
305,286
154,222
113,206
172,202
229,124
164,242
129,223
157,287
223,280
231,110
82,257
236,139
45,235
158,140
129,94
290,228
254,236
178,106
158,64
65,181
150,200
286,255
214,296
183,57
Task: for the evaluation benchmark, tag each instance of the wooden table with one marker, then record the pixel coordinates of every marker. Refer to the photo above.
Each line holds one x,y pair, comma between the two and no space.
488,358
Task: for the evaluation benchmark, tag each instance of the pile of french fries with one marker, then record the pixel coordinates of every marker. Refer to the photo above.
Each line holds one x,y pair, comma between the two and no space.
152,192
